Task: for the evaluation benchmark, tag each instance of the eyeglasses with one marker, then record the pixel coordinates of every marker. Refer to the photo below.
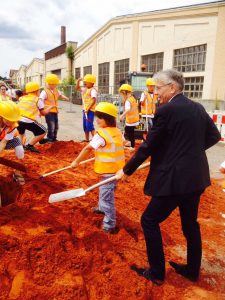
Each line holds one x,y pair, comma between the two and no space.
158,87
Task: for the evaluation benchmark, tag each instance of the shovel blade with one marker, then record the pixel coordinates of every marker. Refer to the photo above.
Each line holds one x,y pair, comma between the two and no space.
66,195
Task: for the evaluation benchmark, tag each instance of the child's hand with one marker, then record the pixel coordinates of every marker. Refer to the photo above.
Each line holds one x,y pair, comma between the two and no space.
121,118
74,164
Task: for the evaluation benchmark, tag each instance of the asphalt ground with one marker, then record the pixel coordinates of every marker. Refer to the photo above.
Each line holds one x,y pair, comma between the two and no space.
71,128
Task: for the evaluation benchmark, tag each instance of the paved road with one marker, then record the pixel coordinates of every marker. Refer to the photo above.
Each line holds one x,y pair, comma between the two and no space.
70,128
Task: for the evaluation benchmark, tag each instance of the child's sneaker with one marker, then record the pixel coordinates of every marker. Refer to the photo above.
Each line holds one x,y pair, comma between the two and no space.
31,148
113,230
96,210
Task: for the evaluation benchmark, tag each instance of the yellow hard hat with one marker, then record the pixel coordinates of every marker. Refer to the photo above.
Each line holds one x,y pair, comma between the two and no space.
107,108
32,87
89,78
150,81
126,87
9,111
52,79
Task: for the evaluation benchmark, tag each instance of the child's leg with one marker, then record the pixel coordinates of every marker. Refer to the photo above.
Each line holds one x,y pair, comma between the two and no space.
50,120
90,124
56,127
150,123
107,204
38,130
16,144
19,150
130,134
85,125
87,136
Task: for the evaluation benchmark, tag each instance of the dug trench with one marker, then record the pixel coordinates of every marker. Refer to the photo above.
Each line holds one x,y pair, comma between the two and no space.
59,251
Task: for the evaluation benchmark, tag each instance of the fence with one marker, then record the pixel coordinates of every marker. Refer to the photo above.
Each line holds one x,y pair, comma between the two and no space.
75,98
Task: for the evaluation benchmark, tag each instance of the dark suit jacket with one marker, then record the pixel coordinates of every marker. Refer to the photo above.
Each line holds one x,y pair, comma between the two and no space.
181,133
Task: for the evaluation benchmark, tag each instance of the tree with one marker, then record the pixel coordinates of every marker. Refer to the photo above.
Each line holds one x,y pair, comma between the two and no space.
70,55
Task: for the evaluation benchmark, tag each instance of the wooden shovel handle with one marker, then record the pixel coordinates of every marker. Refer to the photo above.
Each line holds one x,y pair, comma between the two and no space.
66,168
115,177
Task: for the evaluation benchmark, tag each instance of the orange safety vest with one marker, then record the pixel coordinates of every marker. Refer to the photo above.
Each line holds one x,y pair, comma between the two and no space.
110,158
133,115
28,106
7,129
87,99
148,106
52,99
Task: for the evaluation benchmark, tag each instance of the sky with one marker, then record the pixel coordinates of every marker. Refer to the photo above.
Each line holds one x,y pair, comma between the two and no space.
29,28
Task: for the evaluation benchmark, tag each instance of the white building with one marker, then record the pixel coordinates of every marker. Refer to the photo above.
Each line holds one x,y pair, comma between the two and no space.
21,76
35,71
190,39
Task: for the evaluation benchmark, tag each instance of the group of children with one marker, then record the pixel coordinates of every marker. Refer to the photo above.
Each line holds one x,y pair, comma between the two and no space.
107,142
148,102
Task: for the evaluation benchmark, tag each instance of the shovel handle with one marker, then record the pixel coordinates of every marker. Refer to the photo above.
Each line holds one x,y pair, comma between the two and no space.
115,177
66,168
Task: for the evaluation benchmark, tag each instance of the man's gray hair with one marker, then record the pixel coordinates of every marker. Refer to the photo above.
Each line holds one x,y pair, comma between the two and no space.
169,76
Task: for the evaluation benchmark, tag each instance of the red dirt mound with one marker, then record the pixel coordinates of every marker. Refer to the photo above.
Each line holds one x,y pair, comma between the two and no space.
60,251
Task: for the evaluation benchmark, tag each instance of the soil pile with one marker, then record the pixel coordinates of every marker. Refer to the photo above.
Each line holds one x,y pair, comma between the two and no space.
60,251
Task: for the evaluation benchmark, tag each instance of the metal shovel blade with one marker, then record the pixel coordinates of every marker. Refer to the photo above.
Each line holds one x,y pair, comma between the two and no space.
66,195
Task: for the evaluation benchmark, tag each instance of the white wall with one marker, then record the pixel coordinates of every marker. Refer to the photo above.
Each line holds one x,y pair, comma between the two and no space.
156,35
59,62
35,71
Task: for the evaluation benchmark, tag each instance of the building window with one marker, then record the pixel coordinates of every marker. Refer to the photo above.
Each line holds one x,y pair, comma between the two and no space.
193,87
77,73
121,68
103,78
87,70
190,59
154,62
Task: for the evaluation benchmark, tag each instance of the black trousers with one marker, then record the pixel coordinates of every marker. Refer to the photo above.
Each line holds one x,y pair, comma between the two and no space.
129,132
156,212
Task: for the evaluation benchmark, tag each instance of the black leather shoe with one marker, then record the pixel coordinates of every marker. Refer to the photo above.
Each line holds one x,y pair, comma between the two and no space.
183,271
146,273
96,210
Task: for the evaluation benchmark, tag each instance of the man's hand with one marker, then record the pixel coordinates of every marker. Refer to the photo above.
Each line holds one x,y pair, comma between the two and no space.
120,175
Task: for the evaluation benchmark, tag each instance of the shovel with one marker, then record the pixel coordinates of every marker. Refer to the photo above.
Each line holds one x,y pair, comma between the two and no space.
66,168
12,164
81,192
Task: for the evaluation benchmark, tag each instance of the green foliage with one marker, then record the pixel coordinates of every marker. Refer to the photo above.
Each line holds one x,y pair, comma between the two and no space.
65,85
70,53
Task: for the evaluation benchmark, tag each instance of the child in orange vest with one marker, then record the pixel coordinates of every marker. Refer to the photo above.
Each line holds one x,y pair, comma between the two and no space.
148,102
50,96
9,115
89,98
109,158
130,113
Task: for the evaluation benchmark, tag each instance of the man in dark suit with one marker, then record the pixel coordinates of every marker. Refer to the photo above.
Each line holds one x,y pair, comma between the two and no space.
179,173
